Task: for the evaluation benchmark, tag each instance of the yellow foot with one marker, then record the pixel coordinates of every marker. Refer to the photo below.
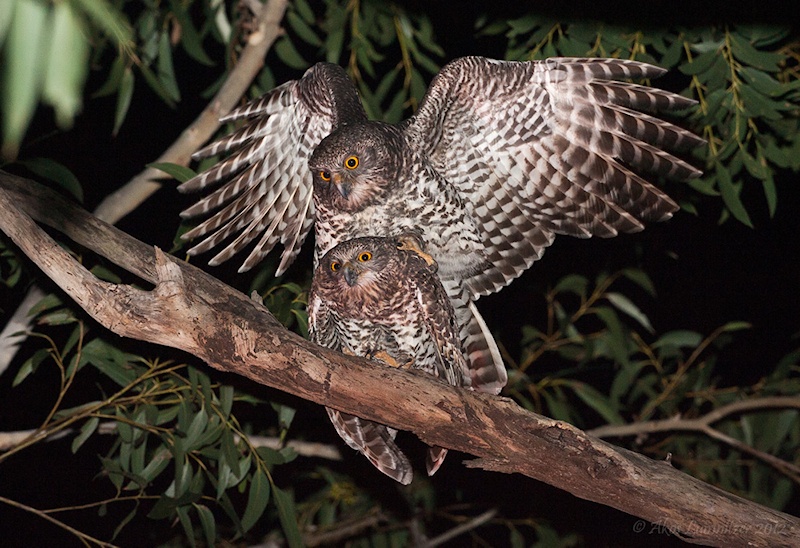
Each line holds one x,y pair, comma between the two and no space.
384,357
410,242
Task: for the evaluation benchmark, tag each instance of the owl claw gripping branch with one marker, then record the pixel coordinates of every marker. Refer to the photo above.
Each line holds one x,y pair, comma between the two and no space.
499,158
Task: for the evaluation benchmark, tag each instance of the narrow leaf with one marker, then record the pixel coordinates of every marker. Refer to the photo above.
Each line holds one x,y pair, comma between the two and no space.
25,50
289,54
288,517
597,401
679,339
257,499
186,523
57,172
623,304
123,98
176,171
615,337
208,524
190,39
746,53
88,428
67,64
730,195
110,20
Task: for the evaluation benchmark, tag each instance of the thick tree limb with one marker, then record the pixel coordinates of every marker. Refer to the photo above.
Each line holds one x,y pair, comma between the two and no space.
192,311
128,197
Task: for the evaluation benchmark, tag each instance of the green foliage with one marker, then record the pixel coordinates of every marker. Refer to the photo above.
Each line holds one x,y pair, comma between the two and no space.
367,36
46,49
668,377
177,445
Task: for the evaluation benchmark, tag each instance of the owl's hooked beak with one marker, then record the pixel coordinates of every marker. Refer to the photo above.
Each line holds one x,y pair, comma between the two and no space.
351,274
344,187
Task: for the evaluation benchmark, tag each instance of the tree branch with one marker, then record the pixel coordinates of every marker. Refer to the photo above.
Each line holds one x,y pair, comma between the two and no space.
127,198
462,528
9,440
267,29
704,424
192,311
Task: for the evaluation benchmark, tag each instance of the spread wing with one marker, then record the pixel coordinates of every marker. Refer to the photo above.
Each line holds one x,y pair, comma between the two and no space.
266,189
550,147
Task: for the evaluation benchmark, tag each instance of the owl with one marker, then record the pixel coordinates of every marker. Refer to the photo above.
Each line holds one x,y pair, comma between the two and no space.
499,158
381,298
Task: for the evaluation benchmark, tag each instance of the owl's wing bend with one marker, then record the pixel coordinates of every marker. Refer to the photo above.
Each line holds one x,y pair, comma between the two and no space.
550,147
437,313
266,187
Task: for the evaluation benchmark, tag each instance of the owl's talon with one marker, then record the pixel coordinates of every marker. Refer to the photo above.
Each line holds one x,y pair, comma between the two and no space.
383,356
410,242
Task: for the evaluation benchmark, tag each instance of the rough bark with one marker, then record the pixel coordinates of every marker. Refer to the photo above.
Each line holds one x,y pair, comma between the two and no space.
190,310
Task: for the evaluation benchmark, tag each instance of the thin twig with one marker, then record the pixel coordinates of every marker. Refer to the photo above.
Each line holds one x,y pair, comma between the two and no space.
345,529
474,523
704,424
82,536
303,448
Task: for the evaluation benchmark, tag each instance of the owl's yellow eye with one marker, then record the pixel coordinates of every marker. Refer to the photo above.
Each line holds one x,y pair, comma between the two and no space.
351,162
365,256
325,175
335,266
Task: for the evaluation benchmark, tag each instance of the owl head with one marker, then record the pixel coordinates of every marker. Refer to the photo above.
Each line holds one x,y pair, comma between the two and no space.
358,264
353,166
371,265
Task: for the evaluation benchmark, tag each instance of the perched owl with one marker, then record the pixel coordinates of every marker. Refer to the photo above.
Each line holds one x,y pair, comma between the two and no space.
499,158
381,298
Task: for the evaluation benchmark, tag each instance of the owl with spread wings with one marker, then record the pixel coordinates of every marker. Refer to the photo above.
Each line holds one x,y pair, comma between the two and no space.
381,298
499,158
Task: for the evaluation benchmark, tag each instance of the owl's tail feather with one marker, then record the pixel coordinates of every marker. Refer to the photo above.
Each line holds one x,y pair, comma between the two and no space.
435,458
486,368
374,441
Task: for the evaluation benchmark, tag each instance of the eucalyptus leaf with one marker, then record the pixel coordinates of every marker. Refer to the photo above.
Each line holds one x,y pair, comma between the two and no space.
57,172
27,45
624,304
288,517
257,499
123,98
746,53
67,64
730,195
208,524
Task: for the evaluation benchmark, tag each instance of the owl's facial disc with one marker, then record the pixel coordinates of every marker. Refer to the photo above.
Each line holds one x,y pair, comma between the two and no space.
355,271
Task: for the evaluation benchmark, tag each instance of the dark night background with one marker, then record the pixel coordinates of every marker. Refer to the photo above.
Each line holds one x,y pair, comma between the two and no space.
705,274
